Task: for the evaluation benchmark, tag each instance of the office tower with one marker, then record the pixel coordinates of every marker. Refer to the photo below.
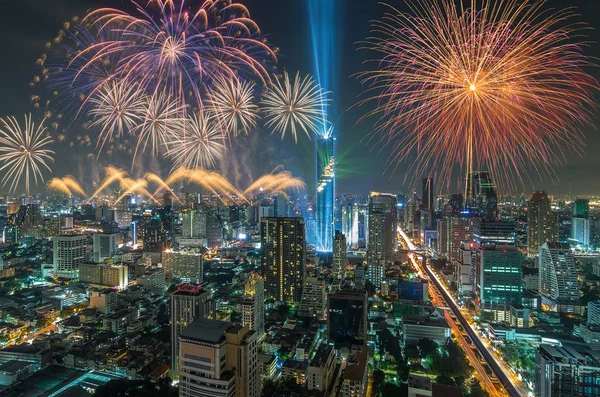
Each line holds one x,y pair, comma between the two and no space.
383,226
493,231
69,251
253,304
321,369
541,223
314,298
325,195
559,287
347,318
114,276
186,265
155,235
218,358
581,223
593,313
500,280
339,254
561,371
283,257
193,225
459,230
104,245
481,198
188,303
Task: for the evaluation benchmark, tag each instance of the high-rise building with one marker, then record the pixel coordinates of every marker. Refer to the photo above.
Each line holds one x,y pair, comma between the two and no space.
339,254
320,370
459,230
581,208
382,237
186,265
105,246
283,257
427,197
493,231
355,376
541,223
376,273
442,242
581,223
325,195
593,313
114,276
193,224
188,303
155,235
347,318
218,358
465,268
481,198
253,304
564,372
69,252
500,280
314,298
559,287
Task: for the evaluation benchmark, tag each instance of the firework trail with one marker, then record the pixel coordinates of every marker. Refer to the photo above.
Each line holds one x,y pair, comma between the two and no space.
295,105
210,180
134,186
111,175
24,151
67,185
232,102
152,177
198,143
500,85
275,182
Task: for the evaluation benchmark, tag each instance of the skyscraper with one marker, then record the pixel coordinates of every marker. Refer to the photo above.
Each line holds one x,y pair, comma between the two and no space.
382,237
283,257
347,318
253,304
218,358
105,246
188,303
339,254
581,223
481,198
559,287
541,223
69,251
427,195
314,298
325,195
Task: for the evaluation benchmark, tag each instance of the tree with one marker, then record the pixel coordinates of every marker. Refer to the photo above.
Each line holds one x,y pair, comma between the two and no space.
477,390
378,379
445,380
427,347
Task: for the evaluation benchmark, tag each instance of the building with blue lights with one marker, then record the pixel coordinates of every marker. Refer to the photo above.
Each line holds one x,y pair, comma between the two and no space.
325,195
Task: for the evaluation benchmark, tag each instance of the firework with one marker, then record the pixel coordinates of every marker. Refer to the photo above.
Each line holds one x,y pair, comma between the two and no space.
499,85
232,102
295,105
210,180
171,47
275,182
67,185
134,186
199,142
116,107
24,151
152,177
111,175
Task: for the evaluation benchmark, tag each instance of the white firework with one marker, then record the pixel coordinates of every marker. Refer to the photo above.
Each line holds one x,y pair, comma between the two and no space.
24,151
295,105
232,103
198,143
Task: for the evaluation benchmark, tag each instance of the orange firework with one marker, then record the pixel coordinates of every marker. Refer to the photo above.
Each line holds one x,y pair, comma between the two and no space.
497,84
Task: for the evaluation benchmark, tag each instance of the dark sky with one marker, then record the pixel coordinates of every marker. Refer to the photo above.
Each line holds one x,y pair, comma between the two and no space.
26,25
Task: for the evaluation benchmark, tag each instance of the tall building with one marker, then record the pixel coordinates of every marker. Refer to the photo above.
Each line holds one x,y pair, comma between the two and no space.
104,245
68,253
541,223
253,304
193,224
339,254
347,318
114,276
493,231
325,195
481,198
581,223
376,273
442,242
465,272
427,195
320,370
186,265
218,358
581,208
500,280
459,230
155,235
355,376
564,372
382,237
314,298
188,303
593,313
283,257
559,287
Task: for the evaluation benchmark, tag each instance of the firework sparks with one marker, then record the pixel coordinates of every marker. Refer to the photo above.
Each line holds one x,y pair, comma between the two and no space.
134,186
297,105
275,182
67,185
500,85
210,180
199,142
24,151
152,177
232,102
111,175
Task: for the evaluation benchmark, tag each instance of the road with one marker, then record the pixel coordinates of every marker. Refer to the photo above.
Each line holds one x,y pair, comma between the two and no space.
497,382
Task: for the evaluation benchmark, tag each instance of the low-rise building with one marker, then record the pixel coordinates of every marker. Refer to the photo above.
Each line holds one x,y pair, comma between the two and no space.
321,369
14,371
433,327
355,377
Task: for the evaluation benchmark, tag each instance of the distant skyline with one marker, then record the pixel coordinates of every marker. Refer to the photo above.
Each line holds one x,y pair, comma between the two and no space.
26,26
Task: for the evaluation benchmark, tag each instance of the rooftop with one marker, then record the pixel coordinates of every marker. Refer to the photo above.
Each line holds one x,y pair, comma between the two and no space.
206,330
357,363
13,366
323,353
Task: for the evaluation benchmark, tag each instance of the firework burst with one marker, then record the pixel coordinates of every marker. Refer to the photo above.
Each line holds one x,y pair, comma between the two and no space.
500,85
295,105
199,142
24,151
232,103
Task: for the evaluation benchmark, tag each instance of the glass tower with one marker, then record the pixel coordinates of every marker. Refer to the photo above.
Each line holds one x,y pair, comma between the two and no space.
325,195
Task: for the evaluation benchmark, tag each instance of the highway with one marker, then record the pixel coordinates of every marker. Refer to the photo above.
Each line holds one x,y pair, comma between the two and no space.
495,380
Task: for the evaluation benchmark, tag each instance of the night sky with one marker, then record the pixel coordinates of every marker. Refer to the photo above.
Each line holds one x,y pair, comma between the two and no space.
25,26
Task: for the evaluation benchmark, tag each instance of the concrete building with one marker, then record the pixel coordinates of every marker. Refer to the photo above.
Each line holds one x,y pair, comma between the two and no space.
68,253
376,273
115,276
153,280
320,371
356,371
188,303
314,298
218,358
541,223
382,226
593,313
559,287
339,254
105,301
186,265
433,327
252,306
104,246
